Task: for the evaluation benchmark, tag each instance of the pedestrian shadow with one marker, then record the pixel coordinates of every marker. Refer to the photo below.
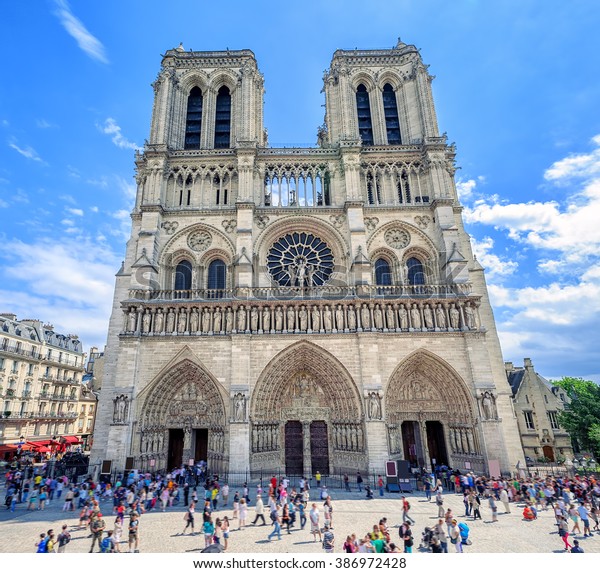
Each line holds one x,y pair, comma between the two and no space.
263,541
304,542
197,549
559,551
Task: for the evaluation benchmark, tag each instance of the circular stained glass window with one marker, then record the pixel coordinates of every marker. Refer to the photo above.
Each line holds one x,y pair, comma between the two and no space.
300,260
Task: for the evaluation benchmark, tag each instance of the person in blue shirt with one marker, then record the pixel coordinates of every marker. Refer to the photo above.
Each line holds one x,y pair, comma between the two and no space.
576,548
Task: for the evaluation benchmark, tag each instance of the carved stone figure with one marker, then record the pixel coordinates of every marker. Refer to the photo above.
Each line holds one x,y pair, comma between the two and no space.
266,319
121,409
440,316
374,406
315,317
229,320
415,317
278,319
132,321
303,318
403,314
470,317
217,320
194,320
241,318
454,317
181,321
254,319
339,317
428,316
365,317
290,318
146,322
240,407
327,319
351,318
389,317
206,320
487,406
170,321
159,319
378,317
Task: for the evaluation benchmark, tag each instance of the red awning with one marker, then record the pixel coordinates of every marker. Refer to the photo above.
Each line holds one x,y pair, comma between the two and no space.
72,440
8,448
40,443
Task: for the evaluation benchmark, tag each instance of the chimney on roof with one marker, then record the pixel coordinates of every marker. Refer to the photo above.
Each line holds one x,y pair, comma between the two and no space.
9,315
509,366
527,363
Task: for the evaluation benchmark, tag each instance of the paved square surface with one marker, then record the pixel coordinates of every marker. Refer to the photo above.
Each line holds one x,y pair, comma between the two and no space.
161,532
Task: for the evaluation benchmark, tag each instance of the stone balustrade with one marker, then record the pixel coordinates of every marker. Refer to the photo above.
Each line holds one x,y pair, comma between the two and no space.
154,315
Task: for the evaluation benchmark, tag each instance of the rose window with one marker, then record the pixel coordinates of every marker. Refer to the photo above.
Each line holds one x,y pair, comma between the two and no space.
300,260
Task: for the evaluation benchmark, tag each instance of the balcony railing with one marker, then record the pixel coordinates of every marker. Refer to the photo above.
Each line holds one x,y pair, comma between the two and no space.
328,292
26,394
57,415
56,380
14,349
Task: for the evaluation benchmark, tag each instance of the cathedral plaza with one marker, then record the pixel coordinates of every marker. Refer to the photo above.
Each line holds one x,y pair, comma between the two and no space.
161,532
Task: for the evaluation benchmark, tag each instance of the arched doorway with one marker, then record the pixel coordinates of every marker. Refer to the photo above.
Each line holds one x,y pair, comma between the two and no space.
182,418
306,415
430,415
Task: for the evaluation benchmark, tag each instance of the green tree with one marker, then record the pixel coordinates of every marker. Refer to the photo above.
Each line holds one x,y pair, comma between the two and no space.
581,418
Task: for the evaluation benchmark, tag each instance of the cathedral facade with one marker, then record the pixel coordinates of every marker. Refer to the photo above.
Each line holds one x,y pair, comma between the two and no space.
295,310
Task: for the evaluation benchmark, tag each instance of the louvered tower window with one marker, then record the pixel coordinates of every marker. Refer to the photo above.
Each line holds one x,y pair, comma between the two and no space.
223,119
193,122
363,109
390,109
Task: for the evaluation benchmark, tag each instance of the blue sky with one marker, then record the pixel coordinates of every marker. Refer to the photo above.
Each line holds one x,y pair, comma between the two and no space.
517,88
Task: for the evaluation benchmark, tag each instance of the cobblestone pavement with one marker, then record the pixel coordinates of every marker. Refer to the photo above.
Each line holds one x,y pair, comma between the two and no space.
162,532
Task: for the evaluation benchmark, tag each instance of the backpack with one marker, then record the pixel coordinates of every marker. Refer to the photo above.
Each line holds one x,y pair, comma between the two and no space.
407,506
273,515
43,546
106,545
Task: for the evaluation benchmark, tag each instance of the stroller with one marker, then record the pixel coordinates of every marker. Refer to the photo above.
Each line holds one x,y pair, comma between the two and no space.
426,539
464,533
369,492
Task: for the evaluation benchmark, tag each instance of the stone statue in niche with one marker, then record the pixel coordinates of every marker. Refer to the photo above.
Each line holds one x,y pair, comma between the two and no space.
389,317
254,319
194,319
327,319
415,317
206,320
351,318
303,318
488,405
229,320
339,317
315,316
146,322
403,313
241,319
290,318
121,409
239,407
266,319
132,320
170,321
217,320
428,316
158,321
440,316
278,319
470,317
181,321
454,317
365,317
378,317
374,406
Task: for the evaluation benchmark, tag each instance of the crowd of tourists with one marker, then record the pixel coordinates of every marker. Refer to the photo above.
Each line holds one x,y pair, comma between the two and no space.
285,508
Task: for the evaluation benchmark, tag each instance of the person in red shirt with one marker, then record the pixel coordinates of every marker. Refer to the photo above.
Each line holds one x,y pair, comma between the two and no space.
380,485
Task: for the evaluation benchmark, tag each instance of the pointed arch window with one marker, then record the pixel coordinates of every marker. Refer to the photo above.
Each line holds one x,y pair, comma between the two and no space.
383,274
416,272
363,110
217,277
390,110
193,121
223,119
183,276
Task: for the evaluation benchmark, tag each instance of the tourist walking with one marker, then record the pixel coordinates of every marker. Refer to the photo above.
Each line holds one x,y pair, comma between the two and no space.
259,509
455,537
328,539
405,510
208,529
97,526
134,536
243,513
315,528
275,516
225,530
64,537
189,518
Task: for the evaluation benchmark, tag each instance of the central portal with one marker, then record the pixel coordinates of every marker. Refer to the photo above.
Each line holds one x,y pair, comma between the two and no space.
319,448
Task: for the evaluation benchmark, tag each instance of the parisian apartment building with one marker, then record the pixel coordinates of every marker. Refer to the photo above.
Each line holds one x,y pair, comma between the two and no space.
43,397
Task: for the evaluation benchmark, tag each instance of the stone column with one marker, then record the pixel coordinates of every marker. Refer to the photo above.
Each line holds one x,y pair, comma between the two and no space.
306,462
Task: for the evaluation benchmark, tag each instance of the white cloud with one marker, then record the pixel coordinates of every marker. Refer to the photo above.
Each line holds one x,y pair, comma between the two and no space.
27,151
494,265
94,209
465,188
111,127
129,189
68,199
101,182
85,40
76,212
3,204
68,283
43,124
576,165
67,222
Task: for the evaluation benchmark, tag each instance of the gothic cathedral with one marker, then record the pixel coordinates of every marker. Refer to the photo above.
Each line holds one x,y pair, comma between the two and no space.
296,310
